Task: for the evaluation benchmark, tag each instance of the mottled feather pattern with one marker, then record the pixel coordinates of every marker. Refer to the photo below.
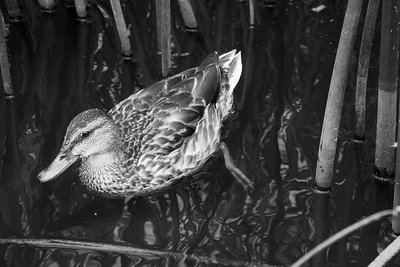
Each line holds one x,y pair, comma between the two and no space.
176,108
171,128
157,135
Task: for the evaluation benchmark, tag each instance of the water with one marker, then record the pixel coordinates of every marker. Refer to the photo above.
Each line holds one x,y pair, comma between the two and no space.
61,66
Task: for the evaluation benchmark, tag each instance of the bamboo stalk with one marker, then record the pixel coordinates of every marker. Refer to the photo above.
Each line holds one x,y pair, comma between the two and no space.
330,128
139,37
363,63
123,31
81,8
4,62
249,61
163,14
47,5
387,91
320,216
396,193
188,15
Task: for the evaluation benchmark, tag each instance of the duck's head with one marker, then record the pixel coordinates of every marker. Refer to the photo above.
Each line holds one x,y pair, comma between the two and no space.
90,133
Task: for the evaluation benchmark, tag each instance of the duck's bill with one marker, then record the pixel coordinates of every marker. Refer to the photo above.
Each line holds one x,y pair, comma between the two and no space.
59,164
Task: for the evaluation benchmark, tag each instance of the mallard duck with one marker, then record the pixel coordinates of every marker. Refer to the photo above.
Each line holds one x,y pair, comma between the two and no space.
156,136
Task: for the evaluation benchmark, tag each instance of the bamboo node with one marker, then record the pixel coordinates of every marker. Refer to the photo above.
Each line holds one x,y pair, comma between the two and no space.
389,234
89,15
194,29
10,96
48,10
318,189
358,139
383,176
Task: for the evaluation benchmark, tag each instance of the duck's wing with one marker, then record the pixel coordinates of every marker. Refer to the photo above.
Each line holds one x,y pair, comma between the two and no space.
178,111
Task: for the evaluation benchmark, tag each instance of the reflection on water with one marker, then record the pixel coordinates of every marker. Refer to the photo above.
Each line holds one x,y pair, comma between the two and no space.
61,66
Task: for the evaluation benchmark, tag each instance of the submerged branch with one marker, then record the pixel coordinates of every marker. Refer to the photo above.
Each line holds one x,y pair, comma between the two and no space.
121,249
344,232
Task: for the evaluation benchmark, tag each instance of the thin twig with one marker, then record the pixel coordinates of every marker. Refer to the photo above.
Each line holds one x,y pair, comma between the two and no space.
122,249
388,253
123,31
339,235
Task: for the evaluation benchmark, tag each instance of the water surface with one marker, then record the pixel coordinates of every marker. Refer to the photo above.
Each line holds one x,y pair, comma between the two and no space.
62,66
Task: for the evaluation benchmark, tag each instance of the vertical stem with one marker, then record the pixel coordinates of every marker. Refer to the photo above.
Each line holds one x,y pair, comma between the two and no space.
123,32
396,196
47,4
330,128
4,62
81,8
387,93
163,11
188,15
363,63
320,216
249,60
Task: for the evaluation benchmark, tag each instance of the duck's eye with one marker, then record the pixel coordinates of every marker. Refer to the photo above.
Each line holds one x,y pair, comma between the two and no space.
85,134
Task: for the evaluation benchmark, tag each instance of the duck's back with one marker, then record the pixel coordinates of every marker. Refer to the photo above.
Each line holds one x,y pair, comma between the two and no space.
162,124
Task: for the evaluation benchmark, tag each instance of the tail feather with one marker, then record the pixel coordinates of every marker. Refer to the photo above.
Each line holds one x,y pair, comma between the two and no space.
231,62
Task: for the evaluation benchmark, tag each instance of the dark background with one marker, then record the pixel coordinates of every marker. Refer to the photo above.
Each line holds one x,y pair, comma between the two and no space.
61,66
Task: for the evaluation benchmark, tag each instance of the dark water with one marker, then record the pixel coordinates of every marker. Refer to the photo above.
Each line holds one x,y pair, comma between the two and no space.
61,66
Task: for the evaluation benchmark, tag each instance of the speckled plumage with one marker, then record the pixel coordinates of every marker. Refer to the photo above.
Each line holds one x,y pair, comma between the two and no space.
156,136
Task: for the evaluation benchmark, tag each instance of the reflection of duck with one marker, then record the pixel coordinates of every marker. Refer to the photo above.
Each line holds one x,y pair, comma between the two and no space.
156,136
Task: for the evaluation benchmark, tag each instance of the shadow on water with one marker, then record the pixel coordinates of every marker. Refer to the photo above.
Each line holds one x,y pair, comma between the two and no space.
61,66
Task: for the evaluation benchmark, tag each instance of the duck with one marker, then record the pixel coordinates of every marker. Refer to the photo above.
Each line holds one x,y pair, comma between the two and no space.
159,135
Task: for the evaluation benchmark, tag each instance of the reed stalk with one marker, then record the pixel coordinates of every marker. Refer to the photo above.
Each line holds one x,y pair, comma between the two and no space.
122,249
250,55
163,14
188,15
387,254
387,91
81,8
396,193
363,64
47,4
331,124
4,62
320,216
341,234
122,30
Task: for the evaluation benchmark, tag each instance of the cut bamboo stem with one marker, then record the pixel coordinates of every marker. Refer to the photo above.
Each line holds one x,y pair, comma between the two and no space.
47,5
188,15
163,11
363,64
331,124
4,62
387,91
81,8
123,31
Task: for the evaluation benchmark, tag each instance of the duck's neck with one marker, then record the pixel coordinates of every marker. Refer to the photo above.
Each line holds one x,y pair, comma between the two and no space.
103,173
